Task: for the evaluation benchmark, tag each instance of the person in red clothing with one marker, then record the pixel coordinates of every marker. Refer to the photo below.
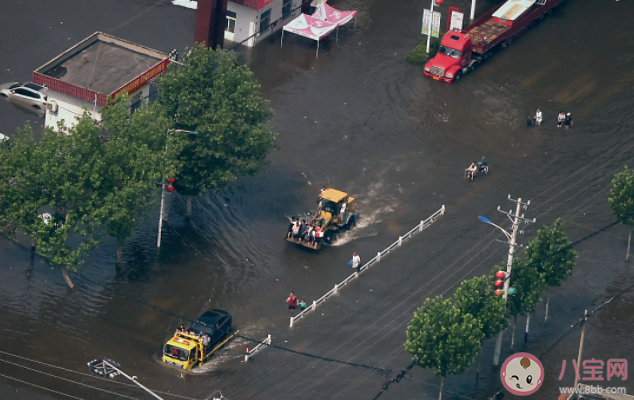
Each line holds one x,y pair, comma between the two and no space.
292,301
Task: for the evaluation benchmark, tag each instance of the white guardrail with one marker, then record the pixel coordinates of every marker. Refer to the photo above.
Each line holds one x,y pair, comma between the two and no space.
250,353
402,239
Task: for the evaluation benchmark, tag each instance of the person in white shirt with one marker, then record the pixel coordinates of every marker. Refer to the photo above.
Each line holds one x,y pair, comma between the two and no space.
538,117
356,261
561,119
342,212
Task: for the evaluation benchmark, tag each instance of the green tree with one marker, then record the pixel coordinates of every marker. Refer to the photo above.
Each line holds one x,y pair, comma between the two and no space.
551,253
20,190
443,338
621,200
134,151
529,285
476,297
64,175
622,196
215,96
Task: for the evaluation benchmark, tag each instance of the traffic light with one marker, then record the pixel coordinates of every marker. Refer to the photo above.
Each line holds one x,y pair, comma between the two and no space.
499,282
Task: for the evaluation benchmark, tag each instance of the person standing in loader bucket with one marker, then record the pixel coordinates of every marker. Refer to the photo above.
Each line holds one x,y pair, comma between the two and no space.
335,213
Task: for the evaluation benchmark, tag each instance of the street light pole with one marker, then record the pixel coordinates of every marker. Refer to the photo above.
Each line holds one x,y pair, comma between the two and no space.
512,238
507,280
163,190
107,369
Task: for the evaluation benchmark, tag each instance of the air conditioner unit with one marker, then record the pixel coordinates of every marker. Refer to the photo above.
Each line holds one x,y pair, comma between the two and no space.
52,107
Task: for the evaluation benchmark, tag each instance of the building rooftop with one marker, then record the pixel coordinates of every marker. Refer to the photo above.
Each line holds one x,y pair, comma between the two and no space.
101,65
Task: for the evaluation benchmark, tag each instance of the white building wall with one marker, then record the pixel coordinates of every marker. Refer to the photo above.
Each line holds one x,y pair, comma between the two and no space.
248,20
68,109
245,17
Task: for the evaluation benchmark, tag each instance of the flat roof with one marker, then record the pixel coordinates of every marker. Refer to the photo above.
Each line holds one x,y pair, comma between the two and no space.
102,63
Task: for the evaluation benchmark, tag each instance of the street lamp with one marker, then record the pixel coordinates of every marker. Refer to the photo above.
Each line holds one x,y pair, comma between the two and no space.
109,369
509,266
160,227
515,219
431,20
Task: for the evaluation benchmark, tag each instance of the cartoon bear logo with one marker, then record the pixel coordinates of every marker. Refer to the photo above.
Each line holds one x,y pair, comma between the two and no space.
522,374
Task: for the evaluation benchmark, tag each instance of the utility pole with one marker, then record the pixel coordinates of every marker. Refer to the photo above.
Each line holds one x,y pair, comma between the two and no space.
515,219
583,334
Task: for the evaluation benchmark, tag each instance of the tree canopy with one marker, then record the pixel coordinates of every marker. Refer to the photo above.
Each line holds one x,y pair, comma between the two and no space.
551,253
622,196
213,95
443,338
529,284
476,297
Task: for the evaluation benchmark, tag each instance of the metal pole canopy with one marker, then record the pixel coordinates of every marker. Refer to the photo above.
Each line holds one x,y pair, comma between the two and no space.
282,40
473,4
317,55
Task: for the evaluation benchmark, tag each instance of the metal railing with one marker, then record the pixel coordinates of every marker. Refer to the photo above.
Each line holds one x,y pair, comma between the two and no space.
250,353
402,239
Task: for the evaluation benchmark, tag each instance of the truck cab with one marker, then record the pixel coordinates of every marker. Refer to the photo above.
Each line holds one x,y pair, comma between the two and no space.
185,349
454,58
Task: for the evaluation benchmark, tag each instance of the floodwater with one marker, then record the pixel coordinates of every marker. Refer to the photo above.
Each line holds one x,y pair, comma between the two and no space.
360,119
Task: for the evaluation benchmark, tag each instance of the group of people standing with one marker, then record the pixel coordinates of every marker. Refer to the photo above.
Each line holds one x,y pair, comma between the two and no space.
563,119
293,302
204,338
308,234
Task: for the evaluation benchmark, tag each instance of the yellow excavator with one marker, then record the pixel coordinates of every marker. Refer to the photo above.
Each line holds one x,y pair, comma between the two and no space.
335,214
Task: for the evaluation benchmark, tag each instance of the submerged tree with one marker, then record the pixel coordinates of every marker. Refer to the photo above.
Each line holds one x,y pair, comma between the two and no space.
622,200
551,253
134,150
220,100
443,338
528,285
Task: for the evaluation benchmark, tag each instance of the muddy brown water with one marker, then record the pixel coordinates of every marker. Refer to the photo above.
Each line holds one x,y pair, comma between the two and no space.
360,119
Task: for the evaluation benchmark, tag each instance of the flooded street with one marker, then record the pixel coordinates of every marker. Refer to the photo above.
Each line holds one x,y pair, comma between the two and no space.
362,120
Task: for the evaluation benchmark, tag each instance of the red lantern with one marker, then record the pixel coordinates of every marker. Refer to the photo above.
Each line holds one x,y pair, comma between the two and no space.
499,283
169,188
498,292
439,2
171,181
500,275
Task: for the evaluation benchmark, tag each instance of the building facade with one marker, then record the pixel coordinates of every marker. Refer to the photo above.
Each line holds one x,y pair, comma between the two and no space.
249,21
86,76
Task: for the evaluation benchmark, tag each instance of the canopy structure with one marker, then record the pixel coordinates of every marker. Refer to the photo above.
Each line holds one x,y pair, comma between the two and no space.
330,14
310,27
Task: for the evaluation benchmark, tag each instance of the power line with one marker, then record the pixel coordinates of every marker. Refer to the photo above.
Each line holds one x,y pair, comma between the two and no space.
68,380
41,387
88,375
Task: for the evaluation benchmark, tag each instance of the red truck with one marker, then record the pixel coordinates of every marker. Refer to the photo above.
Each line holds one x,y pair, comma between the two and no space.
462,51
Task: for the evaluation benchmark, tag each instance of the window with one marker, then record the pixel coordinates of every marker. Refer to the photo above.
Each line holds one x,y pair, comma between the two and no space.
231,22
448,51
265,21
287,8
27,93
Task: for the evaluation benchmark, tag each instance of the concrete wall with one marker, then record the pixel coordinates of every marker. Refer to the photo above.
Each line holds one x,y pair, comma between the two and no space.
248,20
68,109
